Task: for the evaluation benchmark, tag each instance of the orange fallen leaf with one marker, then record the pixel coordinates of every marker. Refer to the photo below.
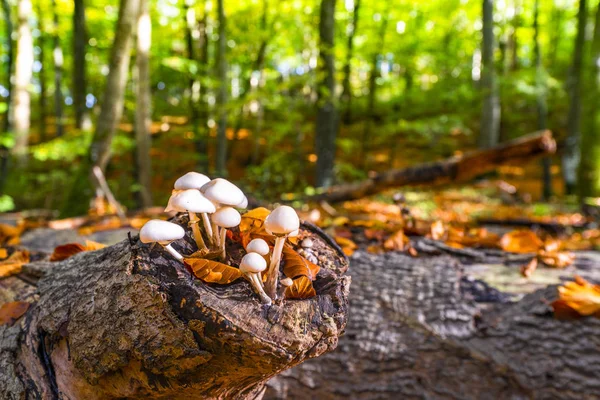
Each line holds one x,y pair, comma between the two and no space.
521,241
302,288
10,312
348,246
10,234
529,269
437,230
13,264
212,271
375,249
375,234
556,259
253,220
398,241
580,296
295,265
65,251
3,253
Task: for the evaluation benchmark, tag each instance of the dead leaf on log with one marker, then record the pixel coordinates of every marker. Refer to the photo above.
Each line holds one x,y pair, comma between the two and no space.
438,231
10,234
65,251
580,296
13,264
253,220
302,288
529,269
3,253
521,241
348,246
556,259
295,265
212,271
10,312
398,241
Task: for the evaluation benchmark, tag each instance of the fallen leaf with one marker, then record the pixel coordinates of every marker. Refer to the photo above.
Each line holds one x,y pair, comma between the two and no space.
580,296
295,265
398,241
521,241
302,288
13,264
212,271
10,312
65,251
375,234
437,230
253,220
3,253
556,259
375,249
10,234
529,269
348,246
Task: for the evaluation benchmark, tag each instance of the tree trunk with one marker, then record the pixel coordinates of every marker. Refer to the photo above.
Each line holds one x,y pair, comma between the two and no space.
42,73
203,110
346,96
422,328
129,321
490,115
327,113
570,159
8,30
589,169
192,31
57,54
21,107
79,74
221,164
542,109
143,109
514,38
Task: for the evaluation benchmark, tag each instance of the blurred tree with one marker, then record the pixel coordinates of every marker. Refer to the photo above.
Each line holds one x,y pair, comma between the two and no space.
346,97
192,31
221,65
8,30
571,156
201,140
327,113
80,39
57,56
43,101
514,37
490,115
143,106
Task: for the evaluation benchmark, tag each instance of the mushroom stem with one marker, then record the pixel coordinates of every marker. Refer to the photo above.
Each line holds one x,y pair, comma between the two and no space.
223,239
208,227
173,252
273,272
215,230
196,231
257,284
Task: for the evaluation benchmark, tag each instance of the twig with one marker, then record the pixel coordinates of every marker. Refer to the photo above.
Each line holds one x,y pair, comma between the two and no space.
108,194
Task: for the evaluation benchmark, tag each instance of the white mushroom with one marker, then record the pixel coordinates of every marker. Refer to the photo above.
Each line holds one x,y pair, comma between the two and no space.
222,192
192,202
243,204
282,222
225,217
285,283
258,246
191,180
252,265
163,233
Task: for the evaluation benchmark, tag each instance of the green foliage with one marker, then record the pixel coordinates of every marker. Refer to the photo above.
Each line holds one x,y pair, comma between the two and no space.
6,203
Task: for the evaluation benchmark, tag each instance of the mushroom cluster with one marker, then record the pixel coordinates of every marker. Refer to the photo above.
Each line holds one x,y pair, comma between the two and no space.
212,207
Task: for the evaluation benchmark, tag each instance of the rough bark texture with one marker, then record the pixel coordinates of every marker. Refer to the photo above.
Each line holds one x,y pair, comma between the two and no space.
129,321
490,113
453,170
420,328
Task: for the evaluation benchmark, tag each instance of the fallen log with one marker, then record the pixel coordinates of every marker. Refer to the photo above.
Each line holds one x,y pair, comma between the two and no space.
456,169
420,328
129,321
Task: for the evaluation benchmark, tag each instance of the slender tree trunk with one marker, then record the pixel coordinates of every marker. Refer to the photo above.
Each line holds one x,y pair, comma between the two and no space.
570,160
514,39
143,109
490,115
221,164
79,73
203,110
556,32
346,96
192,31
589,168
57,54
327,113
8,30
42,73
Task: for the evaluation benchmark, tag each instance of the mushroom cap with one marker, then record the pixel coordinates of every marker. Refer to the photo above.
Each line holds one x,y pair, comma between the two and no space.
287,282
243,204
163,232
190,200
258,246
226,217
282,221
222,191
253,263
191,180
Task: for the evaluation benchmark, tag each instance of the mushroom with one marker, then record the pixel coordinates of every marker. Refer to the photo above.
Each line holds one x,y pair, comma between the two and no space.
243,204
163,233
191,180
225,217
282,222
258,246
285,283
252,265
192,201
222,192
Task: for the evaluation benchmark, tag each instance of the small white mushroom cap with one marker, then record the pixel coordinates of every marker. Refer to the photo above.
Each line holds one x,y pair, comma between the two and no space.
226,217
190,200
191,180
162,232
287,282
222,191
282,221
253,263
258,246
243,204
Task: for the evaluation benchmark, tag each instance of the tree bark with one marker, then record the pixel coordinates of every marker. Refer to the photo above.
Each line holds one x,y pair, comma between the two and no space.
422,328
571,156
143,109
589,168
221,162
346,96
490,114
327,113
79,71
57,55
452,170
129,321
21,107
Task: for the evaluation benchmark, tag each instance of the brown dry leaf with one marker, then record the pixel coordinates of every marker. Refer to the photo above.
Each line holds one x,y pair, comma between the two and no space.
10,312
375,234
106,224
398,241
348,246
3,253
556,259
10,234
70,249
529,269
13,264
212,271
552,245
521,241
302,288
375,249
253,220
437,230
580,296
295,265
